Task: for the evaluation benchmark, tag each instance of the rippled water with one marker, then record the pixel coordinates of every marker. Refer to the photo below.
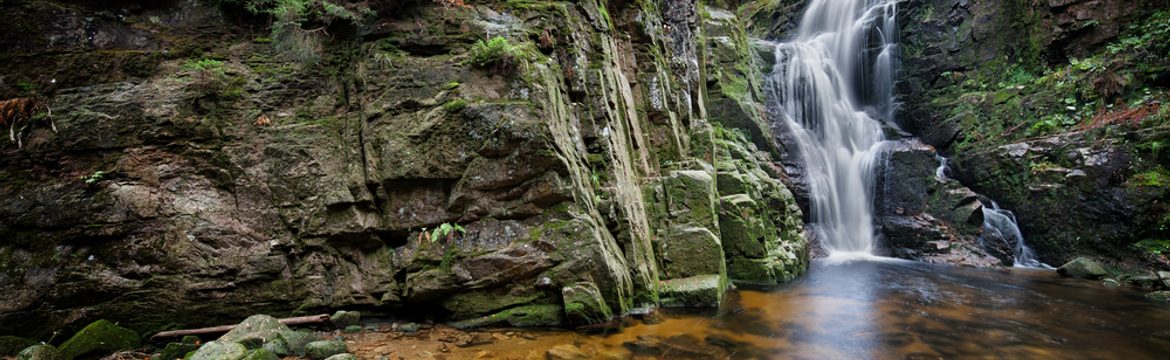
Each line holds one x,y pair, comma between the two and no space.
896,310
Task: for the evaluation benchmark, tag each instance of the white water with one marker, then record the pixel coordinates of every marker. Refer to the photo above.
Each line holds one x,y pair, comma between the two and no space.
833,81
1001,225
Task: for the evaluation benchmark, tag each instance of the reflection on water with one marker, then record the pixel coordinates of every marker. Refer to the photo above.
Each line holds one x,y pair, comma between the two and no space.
884,310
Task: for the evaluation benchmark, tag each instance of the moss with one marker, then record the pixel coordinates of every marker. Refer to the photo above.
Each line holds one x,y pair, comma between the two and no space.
101,337
451,85
455,105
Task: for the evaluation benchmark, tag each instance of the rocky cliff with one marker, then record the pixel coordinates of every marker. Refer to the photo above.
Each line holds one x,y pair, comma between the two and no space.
1057,109
523,162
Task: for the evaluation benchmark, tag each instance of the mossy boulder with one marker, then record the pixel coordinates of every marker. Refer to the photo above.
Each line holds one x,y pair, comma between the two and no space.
323,349
39,352
102,337
177,350
12,345
691,198
219,350
343,319
1082,268
254,331
294,341
695,291
689,251
584,304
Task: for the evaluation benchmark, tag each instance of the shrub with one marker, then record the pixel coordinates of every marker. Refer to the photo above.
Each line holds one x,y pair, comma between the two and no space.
290,17
208,75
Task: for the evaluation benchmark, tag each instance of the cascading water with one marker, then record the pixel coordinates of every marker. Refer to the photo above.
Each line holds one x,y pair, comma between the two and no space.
833,82
1000,225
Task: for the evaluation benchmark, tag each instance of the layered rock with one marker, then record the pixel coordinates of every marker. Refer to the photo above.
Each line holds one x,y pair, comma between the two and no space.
584,177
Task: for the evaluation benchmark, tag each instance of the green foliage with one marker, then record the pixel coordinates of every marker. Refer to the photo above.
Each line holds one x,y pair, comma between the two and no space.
451,85
455,105
1153,246
94,178
291,17
496,52
27,87
447,231
1157,177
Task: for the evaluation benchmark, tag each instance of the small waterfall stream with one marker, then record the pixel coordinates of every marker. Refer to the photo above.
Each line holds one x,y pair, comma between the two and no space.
1000,225
833,81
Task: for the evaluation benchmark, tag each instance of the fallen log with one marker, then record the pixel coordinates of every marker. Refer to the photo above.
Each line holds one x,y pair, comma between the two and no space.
315,319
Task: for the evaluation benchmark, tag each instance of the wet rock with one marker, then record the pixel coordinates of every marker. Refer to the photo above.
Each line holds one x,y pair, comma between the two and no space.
1165,276
584,304
101,337
1110,283
1163,296
353,329
218,350
567,352
322,349
39,352
1082,268
254,331
342,319
696,291
11,345
345,356
675,347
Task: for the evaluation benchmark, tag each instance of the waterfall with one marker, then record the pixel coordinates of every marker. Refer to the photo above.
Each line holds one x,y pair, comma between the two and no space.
833,83
1000,225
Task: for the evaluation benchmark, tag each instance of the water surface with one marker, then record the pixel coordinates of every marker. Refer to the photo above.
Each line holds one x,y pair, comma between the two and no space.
890,310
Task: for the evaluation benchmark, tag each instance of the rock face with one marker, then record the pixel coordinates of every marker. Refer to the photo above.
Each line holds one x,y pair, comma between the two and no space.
924,217
192,170
1027,100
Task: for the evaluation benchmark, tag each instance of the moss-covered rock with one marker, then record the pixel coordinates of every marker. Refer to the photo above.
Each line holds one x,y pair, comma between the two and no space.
342,319
584,304
39,352
102,337
177,350
1084,268
696,291
261,354
254,331
218,350
319,350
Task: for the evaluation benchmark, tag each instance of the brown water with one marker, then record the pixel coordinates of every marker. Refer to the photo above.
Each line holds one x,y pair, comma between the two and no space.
887,310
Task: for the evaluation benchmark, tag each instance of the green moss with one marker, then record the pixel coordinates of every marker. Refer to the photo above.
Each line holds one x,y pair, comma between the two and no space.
455,105
451,85
102,337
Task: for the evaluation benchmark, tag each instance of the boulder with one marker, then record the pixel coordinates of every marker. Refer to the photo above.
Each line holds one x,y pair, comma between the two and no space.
584,304
322,349
177,350
278,347
342,319
39,352
695,291
295,341
345,356
102,337
1083,268
254,331
689,251
219,350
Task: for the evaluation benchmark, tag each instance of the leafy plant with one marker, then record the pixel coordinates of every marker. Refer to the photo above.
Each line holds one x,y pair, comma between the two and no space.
1153,246
290,36
496,52
447,231
94,178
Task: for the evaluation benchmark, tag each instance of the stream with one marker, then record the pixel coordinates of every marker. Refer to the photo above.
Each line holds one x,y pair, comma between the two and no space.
874,310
